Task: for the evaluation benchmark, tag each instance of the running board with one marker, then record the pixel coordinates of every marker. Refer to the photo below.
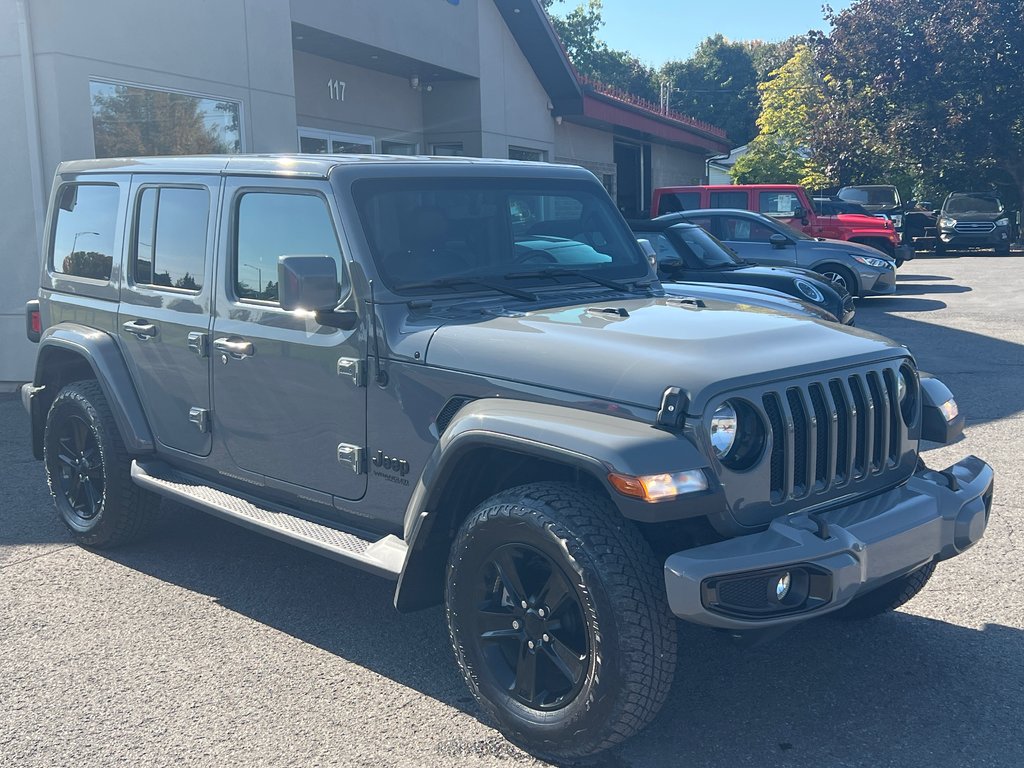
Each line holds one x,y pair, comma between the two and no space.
383,557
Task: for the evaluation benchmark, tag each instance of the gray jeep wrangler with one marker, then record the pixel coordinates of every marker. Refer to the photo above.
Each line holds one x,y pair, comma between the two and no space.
463,375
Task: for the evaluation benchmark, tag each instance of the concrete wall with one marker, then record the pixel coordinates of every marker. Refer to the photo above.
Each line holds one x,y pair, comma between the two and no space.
671,166
232,49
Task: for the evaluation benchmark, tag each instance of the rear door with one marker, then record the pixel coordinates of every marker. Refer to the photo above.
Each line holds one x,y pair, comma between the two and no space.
289,394
751,239
164,315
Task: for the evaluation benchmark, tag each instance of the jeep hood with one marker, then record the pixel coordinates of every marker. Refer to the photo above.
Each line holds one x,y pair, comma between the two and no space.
630,351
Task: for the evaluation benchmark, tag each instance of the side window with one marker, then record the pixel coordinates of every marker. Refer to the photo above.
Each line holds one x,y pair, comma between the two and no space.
170,237
84,232
273,224
673,202
707,223
728,200
778,203
744,230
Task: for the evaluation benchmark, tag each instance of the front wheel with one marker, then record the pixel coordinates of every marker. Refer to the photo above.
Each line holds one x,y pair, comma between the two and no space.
557,615
88,470
840,276
887,597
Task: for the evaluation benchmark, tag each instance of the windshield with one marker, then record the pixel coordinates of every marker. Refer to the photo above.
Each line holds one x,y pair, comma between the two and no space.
423,233
881,197
973,204
700,249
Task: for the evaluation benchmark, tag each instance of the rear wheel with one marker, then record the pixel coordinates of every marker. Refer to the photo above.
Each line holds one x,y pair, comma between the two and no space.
88,470
840,276
557,614
889,596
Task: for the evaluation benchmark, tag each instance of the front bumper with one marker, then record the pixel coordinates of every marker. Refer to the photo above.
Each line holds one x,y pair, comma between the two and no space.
878,283
997,238
844,552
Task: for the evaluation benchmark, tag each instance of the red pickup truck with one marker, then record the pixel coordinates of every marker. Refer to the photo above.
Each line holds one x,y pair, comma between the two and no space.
789,203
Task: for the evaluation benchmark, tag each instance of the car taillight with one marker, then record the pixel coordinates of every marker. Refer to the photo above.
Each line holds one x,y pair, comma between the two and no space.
37,323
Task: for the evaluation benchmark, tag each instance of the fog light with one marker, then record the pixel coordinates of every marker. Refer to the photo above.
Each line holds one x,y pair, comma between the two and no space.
782,587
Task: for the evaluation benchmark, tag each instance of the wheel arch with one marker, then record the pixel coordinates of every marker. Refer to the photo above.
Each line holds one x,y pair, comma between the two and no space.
72,352
492,445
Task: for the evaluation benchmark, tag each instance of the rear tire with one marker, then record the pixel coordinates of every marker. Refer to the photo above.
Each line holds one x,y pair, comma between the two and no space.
887,597
88,470
840,276
603,641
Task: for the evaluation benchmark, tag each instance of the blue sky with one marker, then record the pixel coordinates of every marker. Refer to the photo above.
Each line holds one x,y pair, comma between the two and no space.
656,31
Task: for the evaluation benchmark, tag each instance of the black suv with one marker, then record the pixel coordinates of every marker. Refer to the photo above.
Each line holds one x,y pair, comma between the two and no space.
975,220
464,375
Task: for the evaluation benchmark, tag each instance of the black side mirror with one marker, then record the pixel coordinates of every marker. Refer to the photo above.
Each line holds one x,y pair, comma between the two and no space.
311,283
671,265
801,213
779,240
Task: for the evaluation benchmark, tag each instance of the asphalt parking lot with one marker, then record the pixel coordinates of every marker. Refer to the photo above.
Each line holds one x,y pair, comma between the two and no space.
208,645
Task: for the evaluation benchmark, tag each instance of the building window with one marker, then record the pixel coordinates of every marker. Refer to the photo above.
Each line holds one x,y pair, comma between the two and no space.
170,237
451,149
273,224
83,239
316,142
530,155
398,148
132,121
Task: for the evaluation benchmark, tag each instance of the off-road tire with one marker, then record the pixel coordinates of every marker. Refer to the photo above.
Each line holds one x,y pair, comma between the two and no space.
123,510
620,587
888,597
852,283
1003,250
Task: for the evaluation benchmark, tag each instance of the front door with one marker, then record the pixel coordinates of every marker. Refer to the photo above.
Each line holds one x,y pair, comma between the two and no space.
751,239
164,315
289,400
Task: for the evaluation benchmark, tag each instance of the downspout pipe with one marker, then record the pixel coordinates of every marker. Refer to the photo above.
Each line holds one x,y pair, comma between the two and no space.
35,149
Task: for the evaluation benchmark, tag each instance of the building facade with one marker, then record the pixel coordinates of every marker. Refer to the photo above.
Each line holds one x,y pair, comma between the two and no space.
446,77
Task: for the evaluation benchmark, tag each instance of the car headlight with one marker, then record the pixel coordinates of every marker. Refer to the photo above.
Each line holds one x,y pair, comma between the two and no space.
810,291
723,430
1003,222
906,392
947,222
871,261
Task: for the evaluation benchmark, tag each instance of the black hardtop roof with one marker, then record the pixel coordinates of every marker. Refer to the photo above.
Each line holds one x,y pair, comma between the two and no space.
300,165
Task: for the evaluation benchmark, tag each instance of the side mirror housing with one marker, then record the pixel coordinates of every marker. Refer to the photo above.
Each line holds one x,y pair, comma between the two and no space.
308,282
779,240
801,213
649,252
671,265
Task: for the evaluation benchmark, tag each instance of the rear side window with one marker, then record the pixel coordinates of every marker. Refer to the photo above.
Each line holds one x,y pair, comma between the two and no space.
728,200
778,203
673,202
170,237
84,232
274,224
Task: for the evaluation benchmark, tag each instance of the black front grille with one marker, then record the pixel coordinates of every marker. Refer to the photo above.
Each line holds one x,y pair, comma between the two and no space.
833,432
974,227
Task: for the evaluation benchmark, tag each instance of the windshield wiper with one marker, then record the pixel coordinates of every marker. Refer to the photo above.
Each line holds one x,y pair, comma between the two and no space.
615,285
451,282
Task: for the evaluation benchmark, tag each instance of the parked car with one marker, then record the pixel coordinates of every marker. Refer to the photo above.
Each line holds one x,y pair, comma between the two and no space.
914,222
974,220
745,298
790,204
856,268
685,252
371,359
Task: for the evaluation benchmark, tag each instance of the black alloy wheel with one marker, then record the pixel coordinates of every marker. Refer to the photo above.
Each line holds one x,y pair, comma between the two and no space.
530,623
88,470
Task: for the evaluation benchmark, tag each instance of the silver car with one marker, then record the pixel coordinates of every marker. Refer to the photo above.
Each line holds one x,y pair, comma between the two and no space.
759,239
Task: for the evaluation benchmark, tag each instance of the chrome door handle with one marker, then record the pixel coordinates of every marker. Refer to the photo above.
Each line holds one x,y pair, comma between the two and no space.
140,329
234,347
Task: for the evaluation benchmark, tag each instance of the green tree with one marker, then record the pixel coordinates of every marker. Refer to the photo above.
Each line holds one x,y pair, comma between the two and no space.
784,150
940,85
717,84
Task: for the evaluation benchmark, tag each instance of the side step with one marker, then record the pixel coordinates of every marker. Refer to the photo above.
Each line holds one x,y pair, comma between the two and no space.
383,557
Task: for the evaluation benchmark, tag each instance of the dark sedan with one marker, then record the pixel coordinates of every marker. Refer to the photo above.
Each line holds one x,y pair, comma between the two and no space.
685,252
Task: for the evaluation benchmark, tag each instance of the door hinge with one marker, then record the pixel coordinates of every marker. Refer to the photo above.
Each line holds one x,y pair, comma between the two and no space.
354,368
352,456
201,418
199,343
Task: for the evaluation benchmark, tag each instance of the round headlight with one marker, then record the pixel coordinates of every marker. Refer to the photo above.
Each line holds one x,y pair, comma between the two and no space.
810,291
723,430
907,393
901,385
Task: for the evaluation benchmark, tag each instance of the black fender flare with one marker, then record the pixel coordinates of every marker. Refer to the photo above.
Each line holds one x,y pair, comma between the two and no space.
100,350
592,442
